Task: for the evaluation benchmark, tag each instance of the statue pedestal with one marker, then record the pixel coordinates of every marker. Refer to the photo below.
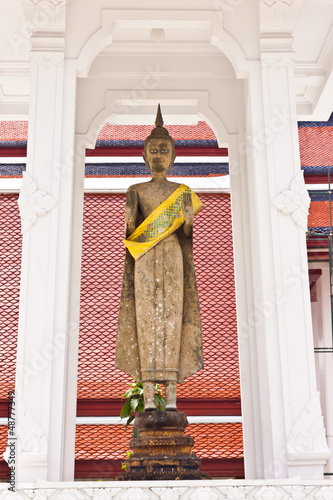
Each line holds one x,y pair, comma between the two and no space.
161,451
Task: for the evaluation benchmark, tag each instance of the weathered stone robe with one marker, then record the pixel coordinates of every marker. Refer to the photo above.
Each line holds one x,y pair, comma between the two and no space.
127,350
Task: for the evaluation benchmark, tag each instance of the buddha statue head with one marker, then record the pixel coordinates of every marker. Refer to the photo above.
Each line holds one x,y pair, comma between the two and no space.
159,148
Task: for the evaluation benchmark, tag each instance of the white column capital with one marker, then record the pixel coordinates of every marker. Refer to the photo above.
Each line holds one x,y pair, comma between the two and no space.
277,59
278,19
279,16
45,21
44,15
47,59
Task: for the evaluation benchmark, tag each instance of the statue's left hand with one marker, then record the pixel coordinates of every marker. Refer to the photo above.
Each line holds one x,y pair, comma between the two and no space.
187,207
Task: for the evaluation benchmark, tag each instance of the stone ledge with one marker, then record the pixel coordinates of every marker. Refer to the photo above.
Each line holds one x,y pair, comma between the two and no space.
284,489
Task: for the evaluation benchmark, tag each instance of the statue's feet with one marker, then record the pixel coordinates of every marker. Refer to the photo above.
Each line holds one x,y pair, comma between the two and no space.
170,396
149,395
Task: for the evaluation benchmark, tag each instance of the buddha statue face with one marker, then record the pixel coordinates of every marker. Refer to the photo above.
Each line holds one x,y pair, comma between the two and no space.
159,155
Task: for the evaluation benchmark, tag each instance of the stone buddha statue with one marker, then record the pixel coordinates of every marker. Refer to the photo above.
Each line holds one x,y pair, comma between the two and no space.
159,329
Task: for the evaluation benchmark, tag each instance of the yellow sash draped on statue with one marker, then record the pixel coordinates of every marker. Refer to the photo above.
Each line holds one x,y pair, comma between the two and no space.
164,220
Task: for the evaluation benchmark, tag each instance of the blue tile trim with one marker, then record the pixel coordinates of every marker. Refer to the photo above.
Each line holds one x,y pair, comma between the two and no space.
319,170
125,143
319,195
131,169
321,230
11,170
107,144
13,144
139,169
329,123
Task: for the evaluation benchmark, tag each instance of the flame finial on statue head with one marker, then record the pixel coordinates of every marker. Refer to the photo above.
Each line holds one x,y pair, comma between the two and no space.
159,120
159,132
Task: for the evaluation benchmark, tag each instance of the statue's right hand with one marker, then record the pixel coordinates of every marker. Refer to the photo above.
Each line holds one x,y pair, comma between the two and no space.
131,207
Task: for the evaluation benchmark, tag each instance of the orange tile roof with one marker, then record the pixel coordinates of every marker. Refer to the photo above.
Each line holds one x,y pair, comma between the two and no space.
18,131
201,131
10,269
316,146
13,131
103,447
3,438
112,441
319,214
315,142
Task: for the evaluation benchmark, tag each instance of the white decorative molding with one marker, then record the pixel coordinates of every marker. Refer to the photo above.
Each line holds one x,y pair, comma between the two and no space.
43,14
71,494
298,492
9,495
40,494
204,493
30,436
307,435
279,14
33,203
102,494
240,493
325,493
269,493
283,489
134,494
295,201
278,19
47,58
30,441
169,494
277,59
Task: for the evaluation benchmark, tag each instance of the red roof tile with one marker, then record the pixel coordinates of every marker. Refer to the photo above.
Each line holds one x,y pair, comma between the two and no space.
102,268
112,441
18,131
315,142
3,439
13,130
201,131
319,214
316,146
10,268
100,449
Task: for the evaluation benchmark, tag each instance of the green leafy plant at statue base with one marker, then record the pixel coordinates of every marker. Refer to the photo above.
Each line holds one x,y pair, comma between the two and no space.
135,404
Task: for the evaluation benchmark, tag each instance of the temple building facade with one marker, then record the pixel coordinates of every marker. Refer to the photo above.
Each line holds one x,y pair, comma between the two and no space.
246,91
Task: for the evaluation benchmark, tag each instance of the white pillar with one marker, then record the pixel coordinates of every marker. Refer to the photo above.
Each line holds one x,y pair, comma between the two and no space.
283,426
51,210
322,331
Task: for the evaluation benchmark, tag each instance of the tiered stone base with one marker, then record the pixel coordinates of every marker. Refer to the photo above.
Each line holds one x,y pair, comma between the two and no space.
161,451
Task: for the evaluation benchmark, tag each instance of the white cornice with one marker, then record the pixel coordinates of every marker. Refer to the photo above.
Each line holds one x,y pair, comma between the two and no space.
14,68
13,98
316,78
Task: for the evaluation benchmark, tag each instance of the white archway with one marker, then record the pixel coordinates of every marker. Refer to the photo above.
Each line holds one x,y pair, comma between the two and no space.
279,399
